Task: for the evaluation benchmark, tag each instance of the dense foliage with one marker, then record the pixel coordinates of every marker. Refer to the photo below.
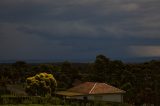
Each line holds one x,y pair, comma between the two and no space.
41,84
140,80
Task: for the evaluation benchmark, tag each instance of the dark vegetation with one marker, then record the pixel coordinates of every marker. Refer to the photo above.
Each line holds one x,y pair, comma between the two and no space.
139,80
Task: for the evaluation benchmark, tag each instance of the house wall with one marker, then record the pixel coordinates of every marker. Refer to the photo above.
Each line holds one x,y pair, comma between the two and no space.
107,97
113,97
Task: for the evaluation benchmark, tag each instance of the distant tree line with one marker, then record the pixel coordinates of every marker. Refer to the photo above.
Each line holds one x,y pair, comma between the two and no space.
140,80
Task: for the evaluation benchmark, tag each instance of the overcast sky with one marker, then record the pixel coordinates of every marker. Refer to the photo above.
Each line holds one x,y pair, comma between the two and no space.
78,30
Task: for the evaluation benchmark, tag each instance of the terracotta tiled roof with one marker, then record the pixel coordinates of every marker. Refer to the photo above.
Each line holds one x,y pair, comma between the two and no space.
95,88
67,93
84,88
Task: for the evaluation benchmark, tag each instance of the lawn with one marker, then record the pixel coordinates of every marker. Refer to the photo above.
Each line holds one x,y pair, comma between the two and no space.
32,105
55,105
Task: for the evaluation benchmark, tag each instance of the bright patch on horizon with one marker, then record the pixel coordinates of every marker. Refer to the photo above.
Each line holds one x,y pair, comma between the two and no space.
145,51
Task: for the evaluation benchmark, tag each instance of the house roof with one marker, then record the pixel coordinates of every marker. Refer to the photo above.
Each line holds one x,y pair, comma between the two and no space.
92,88
67,93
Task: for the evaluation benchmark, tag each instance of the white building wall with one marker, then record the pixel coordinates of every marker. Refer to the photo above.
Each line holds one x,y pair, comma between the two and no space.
113,97
108,97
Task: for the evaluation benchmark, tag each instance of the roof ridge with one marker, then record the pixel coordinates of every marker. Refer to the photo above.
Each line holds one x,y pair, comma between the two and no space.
111,86
114,87
92,88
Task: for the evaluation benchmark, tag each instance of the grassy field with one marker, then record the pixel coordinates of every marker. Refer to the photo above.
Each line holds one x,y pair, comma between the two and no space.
54,105
33,105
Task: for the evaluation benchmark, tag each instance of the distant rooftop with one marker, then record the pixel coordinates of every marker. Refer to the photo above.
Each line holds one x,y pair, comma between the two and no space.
91,88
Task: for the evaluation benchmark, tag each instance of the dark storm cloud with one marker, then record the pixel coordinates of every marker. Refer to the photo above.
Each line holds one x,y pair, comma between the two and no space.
76,29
